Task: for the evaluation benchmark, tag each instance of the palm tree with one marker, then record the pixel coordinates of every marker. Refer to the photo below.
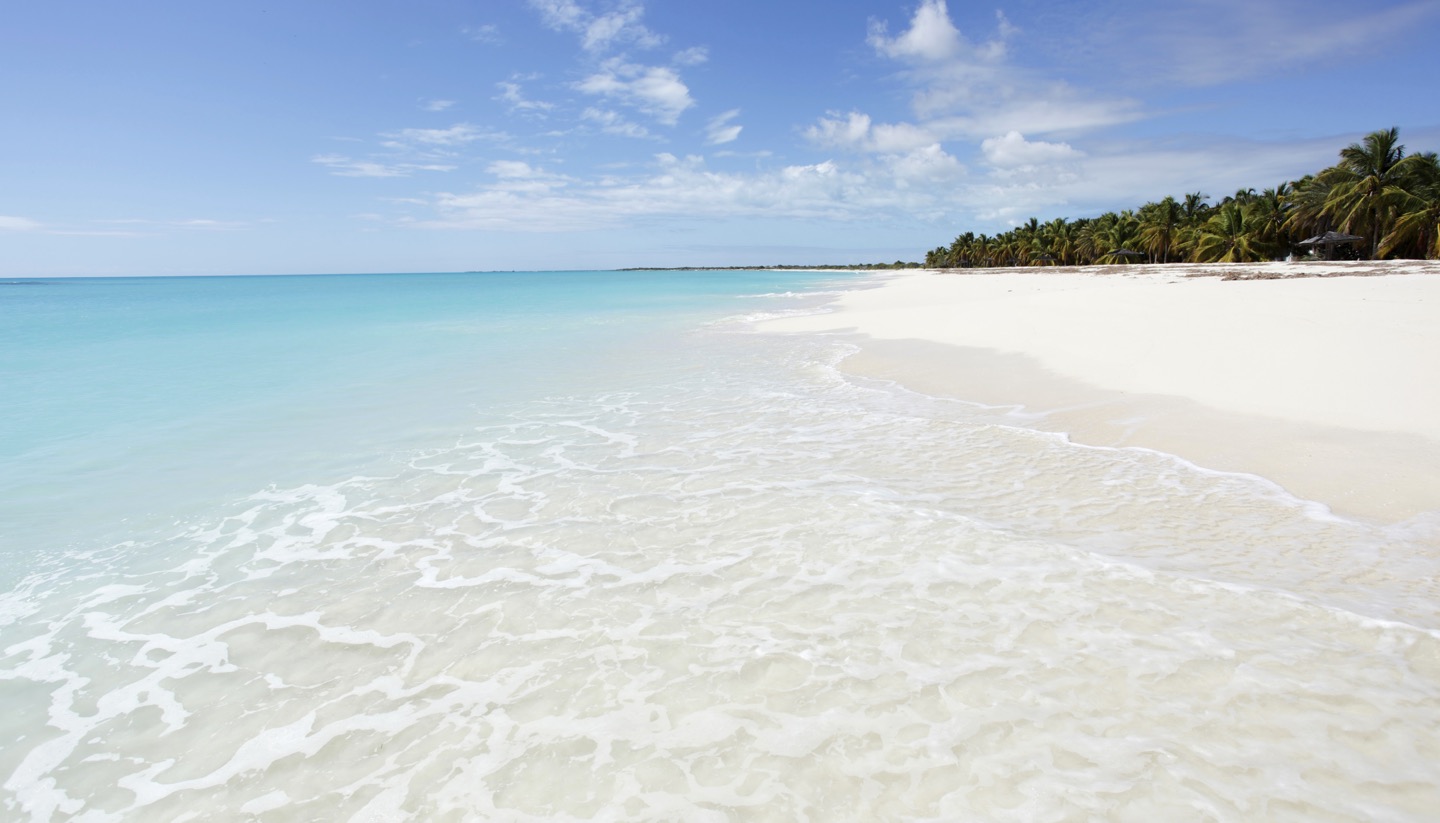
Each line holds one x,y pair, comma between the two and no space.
1366,185
1195,208
1307,216
1159,225
982,251
1269,211
1227,238
1416,230
1115,232
1060,241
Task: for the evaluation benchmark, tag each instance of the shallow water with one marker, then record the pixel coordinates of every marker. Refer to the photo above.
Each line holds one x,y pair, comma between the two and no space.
709,577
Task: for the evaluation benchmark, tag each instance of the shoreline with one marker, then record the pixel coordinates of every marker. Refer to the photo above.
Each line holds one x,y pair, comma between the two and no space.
1315,381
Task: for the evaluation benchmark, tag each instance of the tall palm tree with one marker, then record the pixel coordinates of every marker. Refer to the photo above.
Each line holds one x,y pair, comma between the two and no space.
1159,227
983,251
1366,185
1269,211
1195,207
1227,237
1060,240
1307,216
1416,231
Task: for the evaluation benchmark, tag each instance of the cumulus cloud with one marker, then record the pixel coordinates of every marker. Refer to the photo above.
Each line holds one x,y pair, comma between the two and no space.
931,35
927,165
971,89
836,131
1012,150
933,38
655,90
856,132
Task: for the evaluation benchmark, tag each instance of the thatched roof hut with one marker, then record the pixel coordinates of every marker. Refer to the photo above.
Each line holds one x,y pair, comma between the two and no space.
1329,241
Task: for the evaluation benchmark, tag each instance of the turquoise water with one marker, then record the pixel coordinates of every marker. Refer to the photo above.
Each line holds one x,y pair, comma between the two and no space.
594,546
133,401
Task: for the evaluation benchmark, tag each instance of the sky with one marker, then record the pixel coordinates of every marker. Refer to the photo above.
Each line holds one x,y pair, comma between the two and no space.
174,137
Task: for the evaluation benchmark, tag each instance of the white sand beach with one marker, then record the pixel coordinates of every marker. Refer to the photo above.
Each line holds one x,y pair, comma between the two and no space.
1321,377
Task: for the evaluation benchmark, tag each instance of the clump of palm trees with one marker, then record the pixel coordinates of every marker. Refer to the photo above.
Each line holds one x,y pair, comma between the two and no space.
1376,191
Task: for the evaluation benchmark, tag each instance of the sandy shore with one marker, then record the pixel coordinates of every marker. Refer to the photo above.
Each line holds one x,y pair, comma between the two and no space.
1316,376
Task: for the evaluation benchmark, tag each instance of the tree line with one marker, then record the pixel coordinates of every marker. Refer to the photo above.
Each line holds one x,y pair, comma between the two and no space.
1389,199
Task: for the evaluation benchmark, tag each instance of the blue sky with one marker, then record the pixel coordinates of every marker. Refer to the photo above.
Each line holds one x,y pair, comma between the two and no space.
164,137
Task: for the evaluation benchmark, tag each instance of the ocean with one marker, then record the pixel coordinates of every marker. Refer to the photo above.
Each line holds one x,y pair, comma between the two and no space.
594,546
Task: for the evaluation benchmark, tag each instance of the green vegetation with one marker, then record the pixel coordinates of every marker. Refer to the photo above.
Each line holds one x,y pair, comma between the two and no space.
1377,192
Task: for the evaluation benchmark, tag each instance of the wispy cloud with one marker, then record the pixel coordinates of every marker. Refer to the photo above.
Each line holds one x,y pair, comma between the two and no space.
342,166
612,122
1220,41
436,105
191,223
488,33
607,38
599,32
524,198
1133,172
136,226
514,97
19,224
720,130
967,93
456,135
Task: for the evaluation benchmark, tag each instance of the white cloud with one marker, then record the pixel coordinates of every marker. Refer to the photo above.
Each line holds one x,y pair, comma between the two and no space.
436,105
599,32
511,169
342,166
18,224
1227,40
832,131
694,56
488,33
931,35
196,223
1012,150
720,130
1045,112
856,132
457,135
654,90
968,90
612,122
933,38
899,137
928,165
522,198
510,93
